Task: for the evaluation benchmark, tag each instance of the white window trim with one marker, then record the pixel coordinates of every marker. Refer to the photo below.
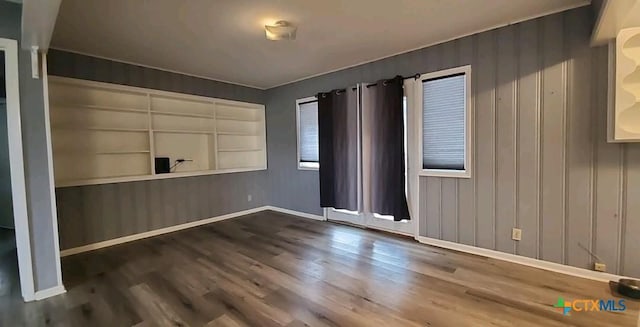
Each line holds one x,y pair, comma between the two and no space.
468,140
301,165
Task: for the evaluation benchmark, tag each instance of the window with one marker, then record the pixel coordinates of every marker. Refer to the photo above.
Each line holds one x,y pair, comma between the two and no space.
307,121
446,123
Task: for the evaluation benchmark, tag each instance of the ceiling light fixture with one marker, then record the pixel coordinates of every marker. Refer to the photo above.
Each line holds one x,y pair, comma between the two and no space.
281,30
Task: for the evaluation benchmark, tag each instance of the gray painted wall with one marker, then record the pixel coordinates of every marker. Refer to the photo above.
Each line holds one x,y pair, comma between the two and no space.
35,156
541,159
89,214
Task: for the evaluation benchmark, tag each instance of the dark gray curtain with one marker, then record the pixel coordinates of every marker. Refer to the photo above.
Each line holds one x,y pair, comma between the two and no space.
386,153
338,152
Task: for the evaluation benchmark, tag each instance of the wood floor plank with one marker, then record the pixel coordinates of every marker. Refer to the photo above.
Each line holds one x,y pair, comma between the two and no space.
272,269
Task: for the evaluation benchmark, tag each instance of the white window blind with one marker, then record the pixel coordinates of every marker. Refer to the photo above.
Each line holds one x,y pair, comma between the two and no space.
308,134
443,127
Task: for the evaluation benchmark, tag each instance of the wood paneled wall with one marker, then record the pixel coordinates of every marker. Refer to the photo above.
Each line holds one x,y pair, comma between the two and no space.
541,161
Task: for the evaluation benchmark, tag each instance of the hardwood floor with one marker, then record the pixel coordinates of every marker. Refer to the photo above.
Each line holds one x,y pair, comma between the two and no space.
271,269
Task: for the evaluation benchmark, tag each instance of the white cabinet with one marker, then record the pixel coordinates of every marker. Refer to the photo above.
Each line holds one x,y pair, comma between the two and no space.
624,87
105,133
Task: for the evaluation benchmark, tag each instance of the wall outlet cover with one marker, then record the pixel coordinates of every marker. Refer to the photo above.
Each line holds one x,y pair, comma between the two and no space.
516,234
600,267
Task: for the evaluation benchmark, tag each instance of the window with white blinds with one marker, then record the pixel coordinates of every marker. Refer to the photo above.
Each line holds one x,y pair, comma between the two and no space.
444,123
307,133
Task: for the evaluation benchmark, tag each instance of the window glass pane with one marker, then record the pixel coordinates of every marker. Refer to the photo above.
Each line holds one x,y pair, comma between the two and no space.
308,142
443,126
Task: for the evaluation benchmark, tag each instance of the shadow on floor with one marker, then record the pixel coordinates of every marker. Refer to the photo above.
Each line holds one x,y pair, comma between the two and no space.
9,282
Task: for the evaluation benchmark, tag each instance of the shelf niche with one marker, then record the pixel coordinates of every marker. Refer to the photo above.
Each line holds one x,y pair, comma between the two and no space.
106,133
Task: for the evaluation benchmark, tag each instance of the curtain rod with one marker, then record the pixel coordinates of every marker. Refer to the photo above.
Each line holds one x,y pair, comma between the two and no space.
416,76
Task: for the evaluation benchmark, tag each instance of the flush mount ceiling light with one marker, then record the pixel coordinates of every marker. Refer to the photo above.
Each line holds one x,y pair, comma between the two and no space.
281,30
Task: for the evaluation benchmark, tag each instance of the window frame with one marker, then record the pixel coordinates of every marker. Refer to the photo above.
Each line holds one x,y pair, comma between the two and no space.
299,164
468,123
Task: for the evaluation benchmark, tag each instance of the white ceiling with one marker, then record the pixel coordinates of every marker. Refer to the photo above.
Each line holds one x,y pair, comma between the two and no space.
224,39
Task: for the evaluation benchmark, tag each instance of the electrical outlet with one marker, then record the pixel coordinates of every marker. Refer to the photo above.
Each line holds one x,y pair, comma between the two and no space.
516,234
598,266
249,198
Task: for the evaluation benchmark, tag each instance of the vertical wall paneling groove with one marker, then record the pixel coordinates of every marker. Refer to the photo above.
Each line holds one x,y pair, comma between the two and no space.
516,136
622,208
569,128
505,141
433,212
595,106
579,146
494,131
485,109
456,235
539,134
466,186
552,248
563,151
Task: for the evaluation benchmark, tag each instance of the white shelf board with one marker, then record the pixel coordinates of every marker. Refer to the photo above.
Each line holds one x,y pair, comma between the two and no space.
152,92
84,153
237,133
179,131
95,107
240,150
237,105
123,179
220,117
171,113
104,129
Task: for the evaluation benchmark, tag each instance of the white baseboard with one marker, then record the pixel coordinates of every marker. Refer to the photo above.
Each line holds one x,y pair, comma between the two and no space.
296,213
170,229
156,232
526,261
546,265
41,295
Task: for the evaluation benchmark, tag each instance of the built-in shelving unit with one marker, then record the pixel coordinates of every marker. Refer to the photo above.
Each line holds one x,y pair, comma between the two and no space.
105,133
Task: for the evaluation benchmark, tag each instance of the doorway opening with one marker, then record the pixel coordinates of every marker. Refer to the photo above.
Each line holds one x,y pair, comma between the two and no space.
8,253
371,219
16,265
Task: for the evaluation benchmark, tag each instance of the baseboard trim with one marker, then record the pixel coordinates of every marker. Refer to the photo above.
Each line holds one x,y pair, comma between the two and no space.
170,229
49,292
526,261
546,265
156,232
296,213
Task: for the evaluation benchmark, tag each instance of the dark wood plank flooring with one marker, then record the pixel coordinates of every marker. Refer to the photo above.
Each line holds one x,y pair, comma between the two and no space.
271,269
